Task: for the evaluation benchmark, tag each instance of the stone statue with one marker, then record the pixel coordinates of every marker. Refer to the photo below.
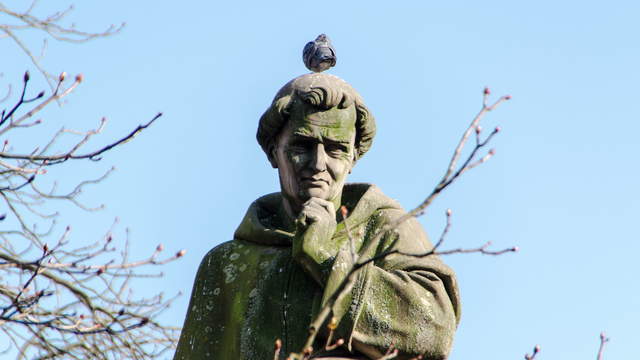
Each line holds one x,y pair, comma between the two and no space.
292,249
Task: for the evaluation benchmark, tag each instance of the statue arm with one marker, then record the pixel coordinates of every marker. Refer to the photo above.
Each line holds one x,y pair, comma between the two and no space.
410,302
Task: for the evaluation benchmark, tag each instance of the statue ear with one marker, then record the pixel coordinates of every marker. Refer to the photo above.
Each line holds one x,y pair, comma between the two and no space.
271,155
354,159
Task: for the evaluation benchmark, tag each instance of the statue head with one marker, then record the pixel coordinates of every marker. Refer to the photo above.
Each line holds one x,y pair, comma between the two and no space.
315,129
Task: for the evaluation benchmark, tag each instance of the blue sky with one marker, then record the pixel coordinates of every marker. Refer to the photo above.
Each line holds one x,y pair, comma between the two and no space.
563,185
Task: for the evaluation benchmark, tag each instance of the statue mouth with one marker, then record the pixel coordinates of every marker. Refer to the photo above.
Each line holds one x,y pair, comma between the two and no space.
314,182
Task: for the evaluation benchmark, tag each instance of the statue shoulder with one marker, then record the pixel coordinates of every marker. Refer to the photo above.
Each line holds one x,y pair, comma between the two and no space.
408,235
237,252
218,256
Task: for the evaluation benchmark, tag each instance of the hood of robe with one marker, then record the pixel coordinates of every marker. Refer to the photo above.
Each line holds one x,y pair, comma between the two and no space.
262,224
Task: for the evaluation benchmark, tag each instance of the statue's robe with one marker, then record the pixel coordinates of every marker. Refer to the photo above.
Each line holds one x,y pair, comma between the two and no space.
250,291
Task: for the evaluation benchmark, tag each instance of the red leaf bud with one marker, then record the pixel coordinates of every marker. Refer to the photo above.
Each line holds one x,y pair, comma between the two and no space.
478,129
344,211
508,97
62,76
100,271
159,248
26,76
487,91
79,78
492,152
449,212
40,94
536,349
333,324
497,129
181,253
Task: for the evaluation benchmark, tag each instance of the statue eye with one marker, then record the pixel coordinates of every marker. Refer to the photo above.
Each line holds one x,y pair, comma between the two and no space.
336,150
298,147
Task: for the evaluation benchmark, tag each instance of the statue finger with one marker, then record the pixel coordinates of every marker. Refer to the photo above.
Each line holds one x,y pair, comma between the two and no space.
327,206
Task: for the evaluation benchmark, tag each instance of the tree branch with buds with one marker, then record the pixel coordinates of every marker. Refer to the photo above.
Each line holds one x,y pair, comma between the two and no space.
52,26
58,298
61,301
603,341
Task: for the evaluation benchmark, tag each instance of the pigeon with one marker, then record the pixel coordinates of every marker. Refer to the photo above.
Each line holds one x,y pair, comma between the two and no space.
319,55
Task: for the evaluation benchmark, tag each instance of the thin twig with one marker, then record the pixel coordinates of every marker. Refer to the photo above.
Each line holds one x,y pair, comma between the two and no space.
603,340
56,159
536,350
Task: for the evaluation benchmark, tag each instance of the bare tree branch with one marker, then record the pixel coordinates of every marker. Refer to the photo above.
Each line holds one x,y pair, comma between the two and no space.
59,300
51,26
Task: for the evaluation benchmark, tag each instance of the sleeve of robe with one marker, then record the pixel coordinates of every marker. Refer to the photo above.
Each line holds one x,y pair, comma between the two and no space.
410,302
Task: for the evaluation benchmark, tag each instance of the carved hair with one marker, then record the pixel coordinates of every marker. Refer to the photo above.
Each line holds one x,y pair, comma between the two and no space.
324,92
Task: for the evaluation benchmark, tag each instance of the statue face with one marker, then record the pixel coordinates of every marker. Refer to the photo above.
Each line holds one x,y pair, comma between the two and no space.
314,153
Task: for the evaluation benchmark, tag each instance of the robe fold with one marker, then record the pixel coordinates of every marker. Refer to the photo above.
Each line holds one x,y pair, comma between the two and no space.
250,291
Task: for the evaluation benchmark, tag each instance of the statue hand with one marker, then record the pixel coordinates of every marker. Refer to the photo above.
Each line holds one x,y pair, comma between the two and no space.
318,212
312,246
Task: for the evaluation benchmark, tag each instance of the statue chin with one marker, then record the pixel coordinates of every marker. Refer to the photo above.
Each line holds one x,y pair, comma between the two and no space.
313,192
316,193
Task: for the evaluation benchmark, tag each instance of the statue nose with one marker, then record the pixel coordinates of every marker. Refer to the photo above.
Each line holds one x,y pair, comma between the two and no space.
319,160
